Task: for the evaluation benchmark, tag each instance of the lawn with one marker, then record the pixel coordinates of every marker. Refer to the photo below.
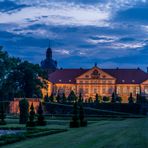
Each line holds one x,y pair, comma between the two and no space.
127,133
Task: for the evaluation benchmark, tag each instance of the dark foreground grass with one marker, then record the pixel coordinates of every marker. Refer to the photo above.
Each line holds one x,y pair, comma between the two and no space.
27,133
130,133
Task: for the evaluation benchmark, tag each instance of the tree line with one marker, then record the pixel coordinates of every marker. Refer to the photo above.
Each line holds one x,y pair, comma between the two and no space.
19,78
72,97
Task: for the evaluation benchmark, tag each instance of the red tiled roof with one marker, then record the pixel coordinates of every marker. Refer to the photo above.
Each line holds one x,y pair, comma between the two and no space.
66,75
123,76
128,76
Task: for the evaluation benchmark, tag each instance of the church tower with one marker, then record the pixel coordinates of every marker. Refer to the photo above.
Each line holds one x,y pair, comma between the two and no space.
49,65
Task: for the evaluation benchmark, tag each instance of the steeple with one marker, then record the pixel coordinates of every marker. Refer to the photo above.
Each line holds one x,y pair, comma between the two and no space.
49,64
95,64
49,52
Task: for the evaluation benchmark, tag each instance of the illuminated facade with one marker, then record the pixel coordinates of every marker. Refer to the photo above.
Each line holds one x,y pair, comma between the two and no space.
103,82
90,82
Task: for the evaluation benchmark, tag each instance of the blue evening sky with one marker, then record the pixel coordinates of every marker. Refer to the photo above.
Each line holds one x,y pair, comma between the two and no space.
113,33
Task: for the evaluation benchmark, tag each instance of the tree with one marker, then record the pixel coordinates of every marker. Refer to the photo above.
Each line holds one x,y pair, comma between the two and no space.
138,98
118,99
20,79
131,99
2,114
7,66
97,101
31,122
64,99
80,100
41,120
58,98
105,99
51,98
46,99
83,122
72,97
75,119
90,100
23,105
113,98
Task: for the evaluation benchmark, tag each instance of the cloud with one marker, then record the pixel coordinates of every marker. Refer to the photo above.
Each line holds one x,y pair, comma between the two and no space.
81,31
57,14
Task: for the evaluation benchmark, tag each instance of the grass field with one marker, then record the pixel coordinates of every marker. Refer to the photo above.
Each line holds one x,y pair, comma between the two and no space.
129,133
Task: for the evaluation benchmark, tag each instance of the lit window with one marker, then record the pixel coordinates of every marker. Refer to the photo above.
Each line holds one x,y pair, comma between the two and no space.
86,90
86,82
60,80
69,80
95,90
87,76
133,81
123,81
146,90
81,81
104,81
103,90
110,82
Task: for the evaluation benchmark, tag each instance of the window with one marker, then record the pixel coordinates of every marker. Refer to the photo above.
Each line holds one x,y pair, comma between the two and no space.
118,90
123,81
103,81
103,90
110,90
110,82
95,90
146,90
86,82
86,90
86,76
137,90
125,90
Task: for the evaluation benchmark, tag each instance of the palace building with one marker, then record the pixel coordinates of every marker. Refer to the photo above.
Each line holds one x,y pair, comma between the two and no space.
96,80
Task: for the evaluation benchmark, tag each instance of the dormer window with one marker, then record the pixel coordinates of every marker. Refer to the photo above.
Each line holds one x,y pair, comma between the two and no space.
60,80
133,81
123,81
86,76
69,80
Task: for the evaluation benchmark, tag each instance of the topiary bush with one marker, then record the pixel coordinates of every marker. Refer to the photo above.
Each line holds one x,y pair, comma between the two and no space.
40,120
2,116
83,122
24,106
75,119
31,122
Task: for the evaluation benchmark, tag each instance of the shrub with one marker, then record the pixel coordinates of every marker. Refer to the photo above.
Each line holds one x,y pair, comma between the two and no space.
40,120
80,100
23,105
113,98
31,122
64,99
131,99
90,100
75,120
97,101
72,97
105,99
83,122
2,116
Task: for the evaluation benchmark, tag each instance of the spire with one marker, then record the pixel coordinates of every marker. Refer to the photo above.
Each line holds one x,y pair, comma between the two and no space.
49,51
96,64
